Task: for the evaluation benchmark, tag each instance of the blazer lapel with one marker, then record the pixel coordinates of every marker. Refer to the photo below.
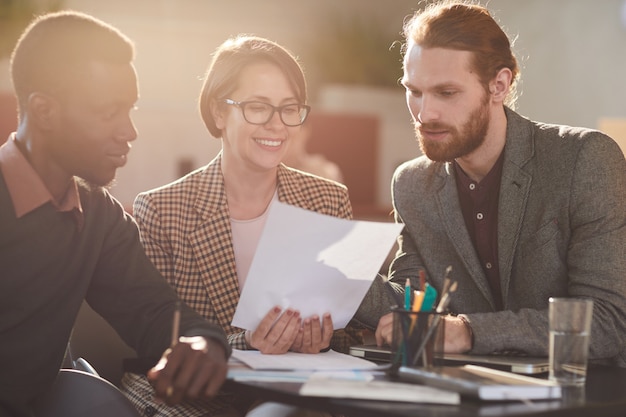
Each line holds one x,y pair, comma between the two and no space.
213,234
289,191
514,190
452,219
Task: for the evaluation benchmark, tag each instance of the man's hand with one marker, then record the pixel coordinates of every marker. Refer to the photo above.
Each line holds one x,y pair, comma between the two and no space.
458,338
384,330
313,337
194,368
276,332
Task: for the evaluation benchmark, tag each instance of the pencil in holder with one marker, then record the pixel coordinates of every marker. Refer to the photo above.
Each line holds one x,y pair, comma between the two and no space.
417,339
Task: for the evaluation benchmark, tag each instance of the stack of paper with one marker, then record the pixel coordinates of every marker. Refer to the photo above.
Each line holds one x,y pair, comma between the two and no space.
320,385
332,374
484,383
290,361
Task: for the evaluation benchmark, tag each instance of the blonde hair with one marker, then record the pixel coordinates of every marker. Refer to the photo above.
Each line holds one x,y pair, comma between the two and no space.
229,60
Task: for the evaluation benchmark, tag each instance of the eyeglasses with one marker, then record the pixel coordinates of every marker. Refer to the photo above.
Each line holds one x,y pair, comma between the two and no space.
259,113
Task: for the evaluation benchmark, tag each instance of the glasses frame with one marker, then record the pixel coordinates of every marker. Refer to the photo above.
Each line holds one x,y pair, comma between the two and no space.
279,109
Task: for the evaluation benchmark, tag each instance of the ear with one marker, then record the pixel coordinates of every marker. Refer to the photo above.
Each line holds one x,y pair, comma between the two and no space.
43,110
217,111
500,85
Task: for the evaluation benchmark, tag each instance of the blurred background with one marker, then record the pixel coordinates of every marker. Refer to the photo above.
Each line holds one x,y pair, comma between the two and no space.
572,55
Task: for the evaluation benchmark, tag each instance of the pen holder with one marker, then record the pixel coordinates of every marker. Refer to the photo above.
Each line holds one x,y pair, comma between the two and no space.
417,339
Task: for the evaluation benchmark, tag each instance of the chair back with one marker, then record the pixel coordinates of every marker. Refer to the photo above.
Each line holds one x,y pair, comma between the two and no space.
96,341
79,394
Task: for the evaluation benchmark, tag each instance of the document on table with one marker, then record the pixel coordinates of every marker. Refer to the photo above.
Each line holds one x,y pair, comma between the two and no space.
323,361
313,263
320,385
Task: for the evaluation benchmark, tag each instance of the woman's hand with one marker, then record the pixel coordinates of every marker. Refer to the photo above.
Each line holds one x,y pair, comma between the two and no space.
276,332
313,336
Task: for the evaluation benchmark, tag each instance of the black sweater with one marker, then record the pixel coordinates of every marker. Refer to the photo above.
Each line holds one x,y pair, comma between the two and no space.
48,266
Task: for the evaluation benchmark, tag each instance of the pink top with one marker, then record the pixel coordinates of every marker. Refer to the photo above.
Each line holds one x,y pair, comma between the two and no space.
246,236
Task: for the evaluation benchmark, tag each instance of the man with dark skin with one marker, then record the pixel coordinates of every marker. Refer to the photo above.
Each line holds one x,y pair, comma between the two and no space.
65,239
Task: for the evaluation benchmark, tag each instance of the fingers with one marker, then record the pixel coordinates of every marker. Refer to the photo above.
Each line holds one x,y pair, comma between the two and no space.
265,326
204,379
276,332
296,346
310,333
384,330
194,368
316,336
327,330
161,376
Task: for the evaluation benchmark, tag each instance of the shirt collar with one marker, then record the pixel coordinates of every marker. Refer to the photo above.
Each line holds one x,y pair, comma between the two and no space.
491,179
26,188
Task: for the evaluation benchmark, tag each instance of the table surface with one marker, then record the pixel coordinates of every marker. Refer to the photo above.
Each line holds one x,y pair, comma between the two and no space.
604,395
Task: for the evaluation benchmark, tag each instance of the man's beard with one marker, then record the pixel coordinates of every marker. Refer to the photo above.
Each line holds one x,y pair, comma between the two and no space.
92,185
460,143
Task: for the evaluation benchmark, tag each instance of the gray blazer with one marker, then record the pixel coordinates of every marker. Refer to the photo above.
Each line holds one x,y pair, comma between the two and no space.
561,232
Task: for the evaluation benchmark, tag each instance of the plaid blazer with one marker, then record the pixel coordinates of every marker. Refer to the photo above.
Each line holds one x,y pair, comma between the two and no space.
185,230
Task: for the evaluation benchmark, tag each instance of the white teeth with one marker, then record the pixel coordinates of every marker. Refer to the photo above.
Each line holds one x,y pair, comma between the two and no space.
268,142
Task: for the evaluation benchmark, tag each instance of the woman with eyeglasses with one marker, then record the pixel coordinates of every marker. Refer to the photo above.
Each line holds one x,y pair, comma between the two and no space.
202,230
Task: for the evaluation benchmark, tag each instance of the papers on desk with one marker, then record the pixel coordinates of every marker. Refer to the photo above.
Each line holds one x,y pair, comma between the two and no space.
323,361
323,385
313,263
484,383
331,374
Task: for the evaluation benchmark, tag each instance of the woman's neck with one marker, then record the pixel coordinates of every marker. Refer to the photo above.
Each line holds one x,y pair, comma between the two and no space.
248,193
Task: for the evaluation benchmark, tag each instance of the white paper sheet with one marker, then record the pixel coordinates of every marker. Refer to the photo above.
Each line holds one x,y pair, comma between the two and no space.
290,361
322,386
313,263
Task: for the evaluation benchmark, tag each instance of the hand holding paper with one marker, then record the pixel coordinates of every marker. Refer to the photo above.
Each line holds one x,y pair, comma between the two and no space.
313,263
315,336
276,332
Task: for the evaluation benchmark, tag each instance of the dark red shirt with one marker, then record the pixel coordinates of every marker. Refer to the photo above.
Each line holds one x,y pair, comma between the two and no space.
27,189
479,204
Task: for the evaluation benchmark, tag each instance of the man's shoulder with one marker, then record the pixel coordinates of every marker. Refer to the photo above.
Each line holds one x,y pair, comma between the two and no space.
572,143
530,138
102,209
559,135
420,167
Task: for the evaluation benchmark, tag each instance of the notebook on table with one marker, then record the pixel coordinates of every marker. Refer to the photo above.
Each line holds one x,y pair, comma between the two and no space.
516,364
483,383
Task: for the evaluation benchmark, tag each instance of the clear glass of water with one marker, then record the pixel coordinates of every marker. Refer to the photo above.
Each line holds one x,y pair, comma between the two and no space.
570,325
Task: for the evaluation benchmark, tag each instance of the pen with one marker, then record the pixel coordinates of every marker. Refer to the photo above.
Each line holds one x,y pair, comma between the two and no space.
175,325
422,280
446,280
430,294
445,299
407,295
441,307
418,298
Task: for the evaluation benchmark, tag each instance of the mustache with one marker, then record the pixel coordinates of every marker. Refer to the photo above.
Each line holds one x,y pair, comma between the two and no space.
432,126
